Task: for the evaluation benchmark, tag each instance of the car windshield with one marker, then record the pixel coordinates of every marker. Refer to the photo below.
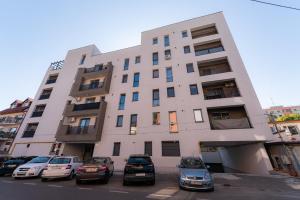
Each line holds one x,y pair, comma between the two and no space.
139,160
60,161
96,161
192,163
40,159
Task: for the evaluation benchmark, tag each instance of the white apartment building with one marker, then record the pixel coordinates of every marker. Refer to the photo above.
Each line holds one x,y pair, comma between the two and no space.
184,91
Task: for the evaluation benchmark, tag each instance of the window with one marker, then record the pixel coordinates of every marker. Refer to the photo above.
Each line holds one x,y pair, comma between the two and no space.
193,89
46,94
82,59
124,78
155,73
13,130
122,102
198,115
186,49
116,150
184,34
126,63
137,59
84,122
156,118
133,124
155,58
155,40
52,79
170,148
94,84
119,121
155,97
167,54
189,68
148,148
166,41
136,79
90,100
135,96
293,130
170,92
30,130
173,126
169,74
208,48
38,111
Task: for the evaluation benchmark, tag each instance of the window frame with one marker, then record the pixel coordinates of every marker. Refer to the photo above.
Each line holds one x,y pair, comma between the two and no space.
119,122
173,94
201,114
135,96
191,93
185,49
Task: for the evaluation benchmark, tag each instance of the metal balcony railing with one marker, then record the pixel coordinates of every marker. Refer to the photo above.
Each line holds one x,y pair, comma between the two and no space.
86,106
91,86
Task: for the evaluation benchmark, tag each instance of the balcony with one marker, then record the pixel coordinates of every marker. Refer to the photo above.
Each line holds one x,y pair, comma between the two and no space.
84,90
208,48
73,110
210,67
10,120
203,31
234,117
220,89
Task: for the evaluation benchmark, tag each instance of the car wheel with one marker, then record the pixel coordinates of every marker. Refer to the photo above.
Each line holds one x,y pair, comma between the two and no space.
44,179
70,177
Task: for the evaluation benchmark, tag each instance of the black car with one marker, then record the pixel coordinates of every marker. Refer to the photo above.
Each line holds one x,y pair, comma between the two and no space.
10,165
139,168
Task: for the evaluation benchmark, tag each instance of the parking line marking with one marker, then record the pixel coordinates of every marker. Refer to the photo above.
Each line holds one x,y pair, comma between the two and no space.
81,188
57,186
150,196
29,183
7,181
119,191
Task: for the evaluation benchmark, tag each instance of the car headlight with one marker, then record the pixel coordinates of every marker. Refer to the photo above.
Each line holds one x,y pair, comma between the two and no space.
207,176
183,176
34,169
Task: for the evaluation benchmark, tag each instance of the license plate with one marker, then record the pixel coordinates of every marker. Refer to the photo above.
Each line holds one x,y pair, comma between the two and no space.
140,174
21,174
196,183
91,170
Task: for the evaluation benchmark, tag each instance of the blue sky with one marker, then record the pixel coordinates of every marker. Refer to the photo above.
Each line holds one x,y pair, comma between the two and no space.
35,33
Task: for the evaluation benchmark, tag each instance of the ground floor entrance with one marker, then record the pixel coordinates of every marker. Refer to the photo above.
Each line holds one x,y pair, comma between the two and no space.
236,157
82,150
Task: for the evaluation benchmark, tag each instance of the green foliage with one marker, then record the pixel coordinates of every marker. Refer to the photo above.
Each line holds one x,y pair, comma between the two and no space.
289,117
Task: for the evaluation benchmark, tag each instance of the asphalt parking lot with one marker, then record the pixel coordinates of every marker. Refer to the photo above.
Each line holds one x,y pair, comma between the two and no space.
227,186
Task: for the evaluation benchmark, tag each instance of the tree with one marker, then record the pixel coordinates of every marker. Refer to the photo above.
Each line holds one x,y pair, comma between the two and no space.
288,117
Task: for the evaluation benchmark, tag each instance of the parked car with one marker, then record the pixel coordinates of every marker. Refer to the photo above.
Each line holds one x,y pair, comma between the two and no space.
32,168
61,167
193,174
139,168
97,168
10,165
4,158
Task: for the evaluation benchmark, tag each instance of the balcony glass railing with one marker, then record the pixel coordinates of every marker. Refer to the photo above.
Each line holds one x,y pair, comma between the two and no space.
97,68
91,86
79,129
86,106
221,124
37,114
208,51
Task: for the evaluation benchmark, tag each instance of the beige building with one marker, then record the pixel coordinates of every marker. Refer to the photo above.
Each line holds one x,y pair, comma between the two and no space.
10,120
184,91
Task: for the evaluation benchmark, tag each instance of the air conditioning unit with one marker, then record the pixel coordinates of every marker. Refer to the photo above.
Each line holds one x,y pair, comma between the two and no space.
72,119
168,56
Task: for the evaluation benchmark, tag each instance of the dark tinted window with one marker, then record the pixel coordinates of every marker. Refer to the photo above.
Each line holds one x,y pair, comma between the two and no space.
60,161
170,148
193,163
148,148
116,150
139,160
40,160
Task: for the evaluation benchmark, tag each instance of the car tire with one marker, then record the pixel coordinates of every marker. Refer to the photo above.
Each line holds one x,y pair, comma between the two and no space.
71,176
44,179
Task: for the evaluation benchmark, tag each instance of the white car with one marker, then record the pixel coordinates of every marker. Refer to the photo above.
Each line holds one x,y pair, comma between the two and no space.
32,168
61,167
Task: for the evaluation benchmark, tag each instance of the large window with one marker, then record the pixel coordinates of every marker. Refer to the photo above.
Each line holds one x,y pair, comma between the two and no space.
193,89
156,118
189,68
136,79
173,125
126,63
46,94
124,78
122,102
186,49
198,115
155,73
135,96
119,121
148,148
155,97
137,59
116,150
155,58
169,74
166,40
133,124
170,92
170,148
52,79
30,130
38,111
84,122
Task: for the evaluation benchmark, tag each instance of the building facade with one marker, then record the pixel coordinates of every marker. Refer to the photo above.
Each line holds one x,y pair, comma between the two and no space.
279,111
183,91
10,121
